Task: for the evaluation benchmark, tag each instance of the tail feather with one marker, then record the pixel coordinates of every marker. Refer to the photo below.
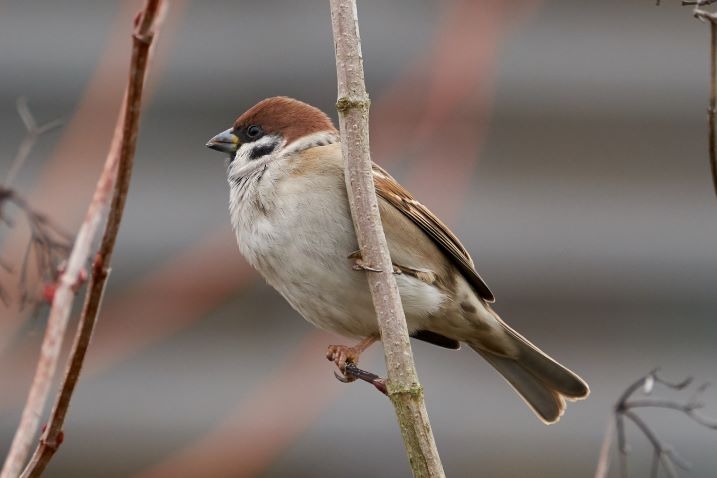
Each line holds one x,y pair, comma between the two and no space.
548,404
541,381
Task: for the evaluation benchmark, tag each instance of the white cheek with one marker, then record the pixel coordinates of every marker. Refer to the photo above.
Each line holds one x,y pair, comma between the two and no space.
244,152
243,163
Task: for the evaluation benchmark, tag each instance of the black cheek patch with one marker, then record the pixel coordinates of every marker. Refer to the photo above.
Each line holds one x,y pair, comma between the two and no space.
262,150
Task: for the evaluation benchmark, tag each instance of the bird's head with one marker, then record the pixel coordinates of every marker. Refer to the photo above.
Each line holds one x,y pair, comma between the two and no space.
271,129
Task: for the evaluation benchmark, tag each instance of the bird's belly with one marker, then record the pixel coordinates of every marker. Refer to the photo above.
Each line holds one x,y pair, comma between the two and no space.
307,261
336,297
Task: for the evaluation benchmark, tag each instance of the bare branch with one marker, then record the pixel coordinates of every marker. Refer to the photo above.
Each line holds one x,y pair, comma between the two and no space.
711,17
53,436
107,202
698,3
47,248
604,459
353,371
663,455
28,142
48,245
353,104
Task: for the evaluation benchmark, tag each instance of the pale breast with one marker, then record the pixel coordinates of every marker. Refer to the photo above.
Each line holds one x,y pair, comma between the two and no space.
301,246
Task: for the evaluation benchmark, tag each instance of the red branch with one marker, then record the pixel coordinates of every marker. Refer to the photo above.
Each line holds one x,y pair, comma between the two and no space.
111,191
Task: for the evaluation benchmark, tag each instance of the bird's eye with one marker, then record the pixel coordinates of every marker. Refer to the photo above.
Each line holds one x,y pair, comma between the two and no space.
253,131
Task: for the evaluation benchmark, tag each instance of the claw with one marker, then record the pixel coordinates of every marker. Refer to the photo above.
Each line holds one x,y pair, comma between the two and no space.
360,265
346,359
341,378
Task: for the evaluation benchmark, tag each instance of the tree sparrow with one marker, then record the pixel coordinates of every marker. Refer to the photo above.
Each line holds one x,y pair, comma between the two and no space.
290,212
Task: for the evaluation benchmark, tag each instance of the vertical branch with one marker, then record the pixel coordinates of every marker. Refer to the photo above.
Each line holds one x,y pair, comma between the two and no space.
713,102
404,389
53,436
711,17
604,459
107,203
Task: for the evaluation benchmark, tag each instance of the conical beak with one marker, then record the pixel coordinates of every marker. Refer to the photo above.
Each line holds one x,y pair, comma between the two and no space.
226,142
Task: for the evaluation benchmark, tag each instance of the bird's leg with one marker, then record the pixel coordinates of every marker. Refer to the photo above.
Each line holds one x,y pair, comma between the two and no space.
342,355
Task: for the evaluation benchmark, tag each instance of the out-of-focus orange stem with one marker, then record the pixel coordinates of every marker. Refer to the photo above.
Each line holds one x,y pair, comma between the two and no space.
111,191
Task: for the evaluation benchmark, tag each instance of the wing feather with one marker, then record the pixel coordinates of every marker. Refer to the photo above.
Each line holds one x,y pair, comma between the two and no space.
396,195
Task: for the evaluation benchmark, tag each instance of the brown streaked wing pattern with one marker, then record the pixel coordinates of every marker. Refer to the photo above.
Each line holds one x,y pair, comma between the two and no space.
396,195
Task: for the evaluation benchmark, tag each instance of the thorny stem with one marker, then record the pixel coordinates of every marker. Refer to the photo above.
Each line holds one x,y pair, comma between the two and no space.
112,187
353,105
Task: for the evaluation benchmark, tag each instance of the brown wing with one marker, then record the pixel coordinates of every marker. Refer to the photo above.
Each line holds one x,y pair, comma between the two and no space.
401,199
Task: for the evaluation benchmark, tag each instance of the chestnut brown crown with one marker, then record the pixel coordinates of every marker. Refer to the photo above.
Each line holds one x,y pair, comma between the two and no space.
292,119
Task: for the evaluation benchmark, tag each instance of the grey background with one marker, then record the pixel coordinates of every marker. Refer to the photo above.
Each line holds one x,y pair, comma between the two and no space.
590,212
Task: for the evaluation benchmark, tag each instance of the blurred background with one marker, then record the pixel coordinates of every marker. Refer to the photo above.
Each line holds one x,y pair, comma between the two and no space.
564,142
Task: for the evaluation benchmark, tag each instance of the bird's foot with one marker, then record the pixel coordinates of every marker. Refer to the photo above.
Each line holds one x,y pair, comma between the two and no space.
346,359
360,265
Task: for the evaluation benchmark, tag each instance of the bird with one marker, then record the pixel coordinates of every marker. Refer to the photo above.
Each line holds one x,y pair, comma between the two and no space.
290,212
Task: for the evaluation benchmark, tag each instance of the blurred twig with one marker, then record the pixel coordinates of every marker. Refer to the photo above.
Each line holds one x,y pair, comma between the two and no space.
34,131
353,104
107,203
703,15
624,410
48,245
47,248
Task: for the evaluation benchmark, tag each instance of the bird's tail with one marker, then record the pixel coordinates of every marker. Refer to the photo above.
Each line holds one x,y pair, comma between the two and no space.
541,381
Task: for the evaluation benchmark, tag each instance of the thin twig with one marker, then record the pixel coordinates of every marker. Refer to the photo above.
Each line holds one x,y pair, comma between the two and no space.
706,16
111,187
353,104
34,131
52,435
48,247
698,3
604,459
353,371
663,455
48,243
